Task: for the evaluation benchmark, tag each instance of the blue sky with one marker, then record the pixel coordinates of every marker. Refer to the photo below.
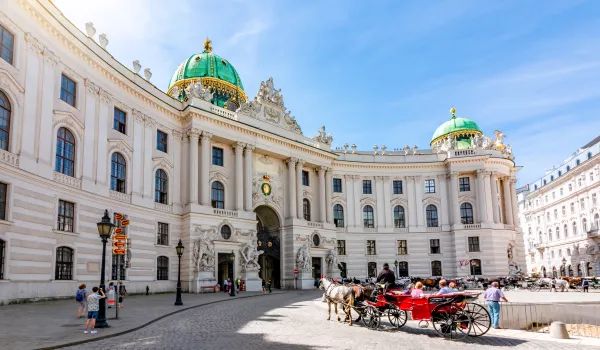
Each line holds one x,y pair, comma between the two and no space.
387,72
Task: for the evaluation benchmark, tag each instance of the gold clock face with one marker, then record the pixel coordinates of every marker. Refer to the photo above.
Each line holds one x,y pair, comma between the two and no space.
266,189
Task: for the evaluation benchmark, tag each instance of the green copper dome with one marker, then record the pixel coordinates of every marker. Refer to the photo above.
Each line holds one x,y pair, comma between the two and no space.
213,71
461,128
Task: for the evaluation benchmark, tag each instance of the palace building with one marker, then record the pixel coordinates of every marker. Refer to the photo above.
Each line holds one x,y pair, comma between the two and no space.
560,216
227,171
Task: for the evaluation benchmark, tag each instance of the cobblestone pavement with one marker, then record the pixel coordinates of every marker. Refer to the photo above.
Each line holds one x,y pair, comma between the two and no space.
291,321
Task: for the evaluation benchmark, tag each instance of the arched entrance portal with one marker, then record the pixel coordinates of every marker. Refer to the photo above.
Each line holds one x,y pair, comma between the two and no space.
268,240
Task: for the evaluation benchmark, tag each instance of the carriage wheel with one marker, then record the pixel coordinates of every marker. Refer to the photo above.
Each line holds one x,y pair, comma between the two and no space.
535,288
480,319
578,288
396,316
372,317
455,324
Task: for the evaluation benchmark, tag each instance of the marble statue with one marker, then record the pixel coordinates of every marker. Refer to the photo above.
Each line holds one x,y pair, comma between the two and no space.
513,268
267,93
323,137
251,108
498,140
250,255
197,90
89,28
204,253
331,259
406,150
291,122
103,41
175,92
303,257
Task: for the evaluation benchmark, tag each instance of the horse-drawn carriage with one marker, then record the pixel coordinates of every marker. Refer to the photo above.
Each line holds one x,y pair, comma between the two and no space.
452,315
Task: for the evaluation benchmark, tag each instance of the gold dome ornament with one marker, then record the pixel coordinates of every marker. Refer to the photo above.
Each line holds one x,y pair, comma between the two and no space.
453,111
208,45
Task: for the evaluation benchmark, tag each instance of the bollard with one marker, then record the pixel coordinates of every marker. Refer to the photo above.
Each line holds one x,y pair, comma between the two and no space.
558,330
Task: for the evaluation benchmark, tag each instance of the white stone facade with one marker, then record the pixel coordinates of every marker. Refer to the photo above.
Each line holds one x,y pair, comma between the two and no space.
560,215
261,144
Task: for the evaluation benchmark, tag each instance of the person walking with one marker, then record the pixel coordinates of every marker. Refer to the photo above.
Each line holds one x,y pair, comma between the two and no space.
111,295
269,286
264,286
93,302
553,285
225,286
586,285
492,296
122,293
80,298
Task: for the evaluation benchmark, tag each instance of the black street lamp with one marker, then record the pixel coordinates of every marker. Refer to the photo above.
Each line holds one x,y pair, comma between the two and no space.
232,257
179,250
396,264
105,228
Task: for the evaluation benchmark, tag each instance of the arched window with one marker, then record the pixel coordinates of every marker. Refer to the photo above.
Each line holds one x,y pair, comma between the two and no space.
225,231
399,218
579,270
338,215
543,269
65,152
432,215
306,209
475,267
64,264
568,168
562,271
368,217
372,269
559,173
566,229
161,187
2,255
589,155
549,234
540,236
557,232
584,225
162,268
554,273
590,269
466,213
403,269
436,268
5,112
597,221
217,195
570,269
577,162
574,228
118,173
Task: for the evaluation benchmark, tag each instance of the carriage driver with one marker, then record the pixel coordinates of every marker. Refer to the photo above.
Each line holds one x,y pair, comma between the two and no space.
386,276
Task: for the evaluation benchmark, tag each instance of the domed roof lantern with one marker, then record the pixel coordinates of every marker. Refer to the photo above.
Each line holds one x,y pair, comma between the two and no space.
460,128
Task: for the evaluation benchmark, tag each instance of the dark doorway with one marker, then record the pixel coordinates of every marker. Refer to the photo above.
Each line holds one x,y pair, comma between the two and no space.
268,240
225,268
316,268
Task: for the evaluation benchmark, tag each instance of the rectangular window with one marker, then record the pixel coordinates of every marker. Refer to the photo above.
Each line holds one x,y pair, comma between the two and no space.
162,234
66,216
430,186
594,199
434,246
367,187
120,121
555,213
7,45
341,247
162,268
397,185
464,184
68,90
337,185
305,179
217,156
118,265
564,211
372,269
402,247
572,209
3,198
161,141
371,249
474,244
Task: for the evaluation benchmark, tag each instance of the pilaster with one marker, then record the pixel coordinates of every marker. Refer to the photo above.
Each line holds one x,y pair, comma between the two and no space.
329,195
494,188
291,162
205,168
89,137
239,175
299,196
481,196
445,207
350,201
193,135
322,196
139,119
248,178
456,223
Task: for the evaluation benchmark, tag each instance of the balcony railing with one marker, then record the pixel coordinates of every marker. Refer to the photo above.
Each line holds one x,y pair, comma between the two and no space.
369,230
471,226
400,229
315,224
225,212
341,229
434,229
123,197
163,207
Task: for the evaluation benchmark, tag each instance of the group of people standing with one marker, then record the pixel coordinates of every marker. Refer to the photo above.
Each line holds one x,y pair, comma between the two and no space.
91,302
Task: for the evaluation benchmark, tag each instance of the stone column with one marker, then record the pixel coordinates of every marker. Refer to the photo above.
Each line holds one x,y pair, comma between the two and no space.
193,135
239,175
350,200
445,208
149,146
387,205
248,178
513,201
494,186
481,196
299,196
419,189
33,70
489,218
46,152
176,181
322,208
357,205
380,209
412,202
91,100
291,162
329,194
454,199
205,169
508,211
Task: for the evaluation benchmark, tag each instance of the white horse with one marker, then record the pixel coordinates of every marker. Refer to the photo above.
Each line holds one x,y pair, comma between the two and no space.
335,294
560,283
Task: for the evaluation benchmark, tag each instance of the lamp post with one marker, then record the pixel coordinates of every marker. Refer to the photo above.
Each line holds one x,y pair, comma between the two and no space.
396,264
105,228
179,250
232,257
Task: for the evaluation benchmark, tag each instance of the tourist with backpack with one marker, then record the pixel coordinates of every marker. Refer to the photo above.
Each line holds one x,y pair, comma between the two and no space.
80,298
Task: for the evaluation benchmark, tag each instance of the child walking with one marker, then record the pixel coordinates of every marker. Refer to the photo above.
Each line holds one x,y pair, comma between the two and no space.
93,304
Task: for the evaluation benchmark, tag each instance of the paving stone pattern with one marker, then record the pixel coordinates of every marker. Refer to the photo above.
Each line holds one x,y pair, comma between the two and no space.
291,321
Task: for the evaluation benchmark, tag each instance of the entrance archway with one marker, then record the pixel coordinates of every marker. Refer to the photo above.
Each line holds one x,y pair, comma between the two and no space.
268,230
